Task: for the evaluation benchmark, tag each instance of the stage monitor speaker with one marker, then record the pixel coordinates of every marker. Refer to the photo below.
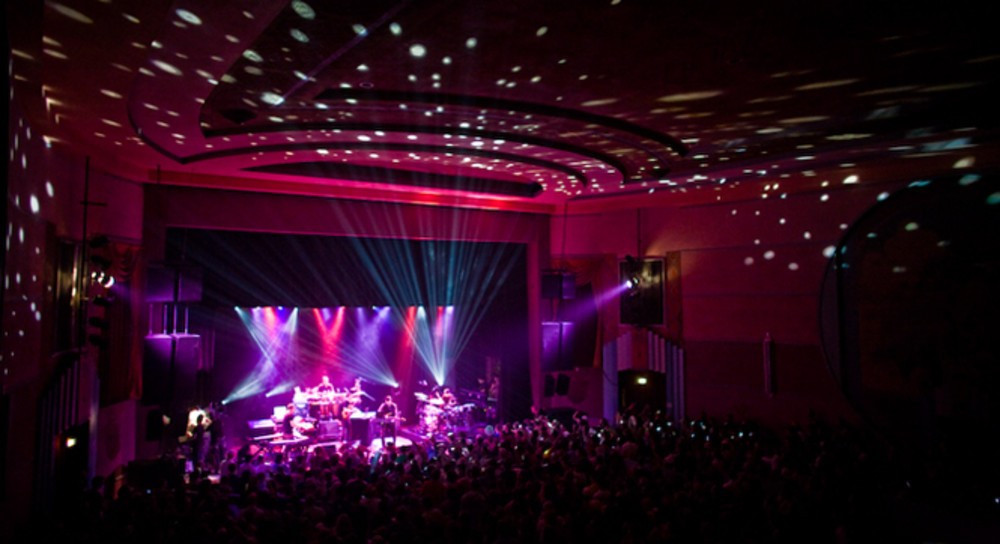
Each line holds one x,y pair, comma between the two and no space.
160,284
187,363
170,368
558,345
558,285
156,371
642,388
169,284
331,429
189,285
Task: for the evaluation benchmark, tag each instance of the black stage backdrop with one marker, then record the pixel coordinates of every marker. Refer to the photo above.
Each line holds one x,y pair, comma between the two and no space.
250,269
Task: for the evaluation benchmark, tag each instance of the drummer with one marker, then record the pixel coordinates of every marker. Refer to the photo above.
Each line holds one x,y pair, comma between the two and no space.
325,392
437,398
324,386
449,398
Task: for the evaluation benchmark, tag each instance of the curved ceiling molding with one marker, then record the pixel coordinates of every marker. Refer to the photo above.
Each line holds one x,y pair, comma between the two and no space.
398,176
260,97
605,104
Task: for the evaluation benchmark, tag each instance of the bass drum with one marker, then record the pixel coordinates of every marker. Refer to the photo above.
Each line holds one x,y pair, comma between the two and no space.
430,419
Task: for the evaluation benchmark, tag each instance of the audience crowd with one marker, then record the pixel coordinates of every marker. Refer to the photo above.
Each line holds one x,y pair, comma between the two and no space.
642,479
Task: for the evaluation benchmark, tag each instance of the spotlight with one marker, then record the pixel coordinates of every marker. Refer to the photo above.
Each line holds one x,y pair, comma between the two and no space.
633,273
103,279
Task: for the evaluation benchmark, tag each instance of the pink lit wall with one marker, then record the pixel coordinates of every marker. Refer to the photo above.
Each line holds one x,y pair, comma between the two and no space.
748,268
44,194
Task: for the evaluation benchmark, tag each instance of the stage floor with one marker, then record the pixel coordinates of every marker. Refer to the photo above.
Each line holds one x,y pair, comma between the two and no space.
374,446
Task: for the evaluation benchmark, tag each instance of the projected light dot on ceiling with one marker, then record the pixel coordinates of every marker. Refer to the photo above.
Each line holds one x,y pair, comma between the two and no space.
167,67
252,56
70,12
188,17
418,51
272,98
303,9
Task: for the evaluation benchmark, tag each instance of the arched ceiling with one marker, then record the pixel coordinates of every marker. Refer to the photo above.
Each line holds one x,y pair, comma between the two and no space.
514,104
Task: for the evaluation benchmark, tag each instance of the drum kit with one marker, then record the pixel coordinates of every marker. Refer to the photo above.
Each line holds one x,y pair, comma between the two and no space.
332,405
317,412
437,415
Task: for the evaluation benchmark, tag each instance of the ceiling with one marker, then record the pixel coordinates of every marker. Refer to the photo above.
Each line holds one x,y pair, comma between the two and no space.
520,104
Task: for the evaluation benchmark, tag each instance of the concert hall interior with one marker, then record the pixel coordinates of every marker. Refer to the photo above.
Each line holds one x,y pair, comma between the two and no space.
668,271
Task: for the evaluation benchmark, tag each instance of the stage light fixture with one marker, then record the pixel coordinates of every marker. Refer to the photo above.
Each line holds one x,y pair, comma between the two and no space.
103,279
633,274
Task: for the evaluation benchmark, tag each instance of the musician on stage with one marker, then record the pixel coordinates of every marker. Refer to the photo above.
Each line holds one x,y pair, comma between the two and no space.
449,398
325,392
352,398
293,426
387,413
324,385
300,399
